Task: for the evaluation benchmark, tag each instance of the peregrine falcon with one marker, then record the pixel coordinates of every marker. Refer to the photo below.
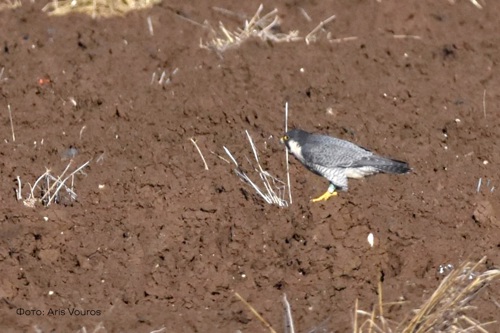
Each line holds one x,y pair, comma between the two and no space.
337,159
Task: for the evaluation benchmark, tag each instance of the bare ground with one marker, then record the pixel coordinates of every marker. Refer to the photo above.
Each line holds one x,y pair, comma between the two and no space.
165,243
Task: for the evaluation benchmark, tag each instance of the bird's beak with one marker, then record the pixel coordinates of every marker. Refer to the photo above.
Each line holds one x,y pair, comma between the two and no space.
282,139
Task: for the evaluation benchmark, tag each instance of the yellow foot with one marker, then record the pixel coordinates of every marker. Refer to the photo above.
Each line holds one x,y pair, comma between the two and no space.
325,196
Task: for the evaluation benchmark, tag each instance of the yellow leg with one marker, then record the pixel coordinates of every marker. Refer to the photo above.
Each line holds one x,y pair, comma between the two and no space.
325,196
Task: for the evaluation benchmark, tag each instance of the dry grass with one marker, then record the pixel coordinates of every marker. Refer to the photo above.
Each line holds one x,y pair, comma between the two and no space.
444,312
266,28
49,188
9,4
97,8
272,189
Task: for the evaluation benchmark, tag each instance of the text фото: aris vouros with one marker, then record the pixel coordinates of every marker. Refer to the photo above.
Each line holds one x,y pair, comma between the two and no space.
58,312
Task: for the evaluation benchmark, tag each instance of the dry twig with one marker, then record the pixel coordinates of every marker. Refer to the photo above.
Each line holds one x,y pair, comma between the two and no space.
97,8
255,313
289,326
11,124
287,158
199,152
311,37
269,182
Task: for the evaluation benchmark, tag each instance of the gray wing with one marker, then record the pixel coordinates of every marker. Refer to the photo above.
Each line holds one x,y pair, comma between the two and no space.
330,157
330,152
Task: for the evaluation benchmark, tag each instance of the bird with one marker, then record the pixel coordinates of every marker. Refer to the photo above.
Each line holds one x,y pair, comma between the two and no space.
337,160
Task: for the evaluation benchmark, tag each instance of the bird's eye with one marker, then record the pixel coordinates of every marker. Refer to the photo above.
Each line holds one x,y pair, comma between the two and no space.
285,138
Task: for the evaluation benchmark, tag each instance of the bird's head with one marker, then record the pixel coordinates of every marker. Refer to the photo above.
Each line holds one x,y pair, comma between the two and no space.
294,140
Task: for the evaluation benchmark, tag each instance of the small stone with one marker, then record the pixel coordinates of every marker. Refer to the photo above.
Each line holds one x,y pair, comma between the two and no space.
371,239
485,214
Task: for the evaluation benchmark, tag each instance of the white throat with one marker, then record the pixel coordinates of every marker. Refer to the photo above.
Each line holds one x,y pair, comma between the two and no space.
295,149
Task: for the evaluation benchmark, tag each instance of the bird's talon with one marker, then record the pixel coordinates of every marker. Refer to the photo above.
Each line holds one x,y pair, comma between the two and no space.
325,196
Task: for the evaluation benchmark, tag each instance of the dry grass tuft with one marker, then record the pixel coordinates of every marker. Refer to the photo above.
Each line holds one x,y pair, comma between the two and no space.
272,189
9,4
444,312
267,28
97,8
49,188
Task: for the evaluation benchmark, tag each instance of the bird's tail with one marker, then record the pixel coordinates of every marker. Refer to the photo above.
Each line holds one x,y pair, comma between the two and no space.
392,166
386,165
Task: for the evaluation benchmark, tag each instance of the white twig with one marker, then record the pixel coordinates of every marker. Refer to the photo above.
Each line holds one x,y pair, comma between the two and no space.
484,103
150,26
286,158
476,3
11,124
190,20
19,195
269,195
286,117
478,188
289,326
73,101
257,15
496,302
99,327
222,158
304,13
32,194
199,152
162,77
312,35
81,131
245,177
57,180
407,37
228,12
343,39
61,184
100,159
230,155
254,151
51,188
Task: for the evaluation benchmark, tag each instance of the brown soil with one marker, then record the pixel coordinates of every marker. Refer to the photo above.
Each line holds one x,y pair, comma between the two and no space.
165,243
